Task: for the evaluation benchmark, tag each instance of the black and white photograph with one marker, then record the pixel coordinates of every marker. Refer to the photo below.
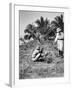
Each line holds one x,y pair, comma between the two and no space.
41,44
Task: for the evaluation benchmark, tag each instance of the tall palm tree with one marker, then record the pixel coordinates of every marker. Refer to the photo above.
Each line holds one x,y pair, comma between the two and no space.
58,23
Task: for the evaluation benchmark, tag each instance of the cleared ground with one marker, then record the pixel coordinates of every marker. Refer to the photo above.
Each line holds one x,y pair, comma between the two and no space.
29,69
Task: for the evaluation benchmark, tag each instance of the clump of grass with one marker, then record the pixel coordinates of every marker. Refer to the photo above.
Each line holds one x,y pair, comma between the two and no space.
25,73
50,60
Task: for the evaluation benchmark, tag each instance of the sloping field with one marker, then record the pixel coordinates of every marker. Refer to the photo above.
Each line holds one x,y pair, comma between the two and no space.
29,69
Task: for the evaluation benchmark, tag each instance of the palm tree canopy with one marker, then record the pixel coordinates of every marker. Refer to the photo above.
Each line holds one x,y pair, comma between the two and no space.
31,30
43,25
27,37
58,22
40,22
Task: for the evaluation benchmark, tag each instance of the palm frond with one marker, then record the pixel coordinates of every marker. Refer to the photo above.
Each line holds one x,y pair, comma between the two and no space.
29,26
61,16
30,29
55,24
42,21
27,37
38,23
58,22
27,31
47,22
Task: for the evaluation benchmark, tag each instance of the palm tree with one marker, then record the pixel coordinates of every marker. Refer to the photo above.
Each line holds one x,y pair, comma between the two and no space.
58,23
43,27
31,31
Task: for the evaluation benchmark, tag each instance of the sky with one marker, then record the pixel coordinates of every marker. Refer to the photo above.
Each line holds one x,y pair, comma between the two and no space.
29,17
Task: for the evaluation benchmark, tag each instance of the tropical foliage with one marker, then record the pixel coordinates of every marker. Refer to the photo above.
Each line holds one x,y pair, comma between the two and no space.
58,23
44,28
43,25
32,32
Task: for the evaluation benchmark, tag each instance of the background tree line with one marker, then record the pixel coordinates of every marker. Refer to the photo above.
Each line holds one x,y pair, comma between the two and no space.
44,29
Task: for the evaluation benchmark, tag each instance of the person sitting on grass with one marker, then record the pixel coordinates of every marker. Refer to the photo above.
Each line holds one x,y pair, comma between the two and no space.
37,54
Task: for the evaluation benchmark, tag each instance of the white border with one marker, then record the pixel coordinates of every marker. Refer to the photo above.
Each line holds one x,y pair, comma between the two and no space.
15,48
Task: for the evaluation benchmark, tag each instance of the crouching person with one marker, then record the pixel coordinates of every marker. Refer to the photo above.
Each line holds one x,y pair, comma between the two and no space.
36,54
60,41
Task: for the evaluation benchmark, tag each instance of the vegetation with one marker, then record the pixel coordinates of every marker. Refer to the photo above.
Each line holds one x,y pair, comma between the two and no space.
44,29
43,34
58,23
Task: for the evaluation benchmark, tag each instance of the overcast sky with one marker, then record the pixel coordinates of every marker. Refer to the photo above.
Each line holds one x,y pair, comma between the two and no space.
28,17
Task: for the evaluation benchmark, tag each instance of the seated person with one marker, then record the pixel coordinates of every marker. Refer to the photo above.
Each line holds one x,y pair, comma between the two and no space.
37,54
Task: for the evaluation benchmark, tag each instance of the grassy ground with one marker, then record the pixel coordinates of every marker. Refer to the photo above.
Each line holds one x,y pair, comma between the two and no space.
30,69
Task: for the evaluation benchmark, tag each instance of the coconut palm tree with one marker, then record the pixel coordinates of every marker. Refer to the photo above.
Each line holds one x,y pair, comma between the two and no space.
58,23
